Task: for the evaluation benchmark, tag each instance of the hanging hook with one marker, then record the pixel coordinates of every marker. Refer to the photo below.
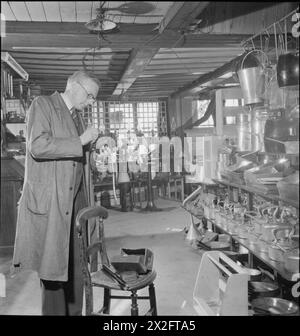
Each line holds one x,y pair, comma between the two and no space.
275,36
281,39
285,33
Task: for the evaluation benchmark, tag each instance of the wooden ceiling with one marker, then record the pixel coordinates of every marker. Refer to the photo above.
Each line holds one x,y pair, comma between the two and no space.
152,55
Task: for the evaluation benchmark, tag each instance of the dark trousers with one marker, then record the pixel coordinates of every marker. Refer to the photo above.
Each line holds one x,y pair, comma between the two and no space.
125,196
66,298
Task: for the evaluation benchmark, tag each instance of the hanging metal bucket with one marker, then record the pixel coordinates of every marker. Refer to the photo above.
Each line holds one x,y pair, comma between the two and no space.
252,81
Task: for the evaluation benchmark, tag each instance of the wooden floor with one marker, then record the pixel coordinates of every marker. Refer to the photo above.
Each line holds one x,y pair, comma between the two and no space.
175,262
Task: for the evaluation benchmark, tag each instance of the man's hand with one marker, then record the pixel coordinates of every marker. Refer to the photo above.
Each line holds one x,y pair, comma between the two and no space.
90,134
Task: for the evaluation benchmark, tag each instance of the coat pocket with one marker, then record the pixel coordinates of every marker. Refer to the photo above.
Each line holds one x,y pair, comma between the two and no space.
38,197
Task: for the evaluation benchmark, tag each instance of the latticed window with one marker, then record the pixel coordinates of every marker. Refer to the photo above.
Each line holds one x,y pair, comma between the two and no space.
94,116
149,118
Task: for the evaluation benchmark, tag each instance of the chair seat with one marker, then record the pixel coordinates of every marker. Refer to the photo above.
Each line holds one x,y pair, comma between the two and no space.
101,279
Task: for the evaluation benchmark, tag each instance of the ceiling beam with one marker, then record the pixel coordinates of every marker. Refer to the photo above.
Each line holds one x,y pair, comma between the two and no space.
136,64
41,35
178,17
193,87
181,14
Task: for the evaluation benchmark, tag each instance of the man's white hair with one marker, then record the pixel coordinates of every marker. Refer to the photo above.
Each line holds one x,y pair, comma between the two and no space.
80,76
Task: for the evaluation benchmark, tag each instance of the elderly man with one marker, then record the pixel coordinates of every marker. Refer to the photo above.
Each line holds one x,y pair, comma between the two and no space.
54,191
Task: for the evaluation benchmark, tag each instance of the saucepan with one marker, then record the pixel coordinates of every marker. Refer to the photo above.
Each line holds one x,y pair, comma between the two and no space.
256,220
267,232
262,246
266,217
281,244
253,240
242,232
276,252
234,225
291,261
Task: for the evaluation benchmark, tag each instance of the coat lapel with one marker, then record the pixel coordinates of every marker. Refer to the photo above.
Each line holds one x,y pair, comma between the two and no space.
63,112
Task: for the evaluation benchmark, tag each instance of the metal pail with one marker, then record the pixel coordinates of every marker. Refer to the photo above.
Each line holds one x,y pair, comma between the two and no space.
252,81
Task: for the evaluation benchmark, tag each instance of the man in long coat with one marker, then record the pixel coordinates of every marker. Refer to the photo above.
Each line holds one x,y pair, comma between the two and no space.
53,192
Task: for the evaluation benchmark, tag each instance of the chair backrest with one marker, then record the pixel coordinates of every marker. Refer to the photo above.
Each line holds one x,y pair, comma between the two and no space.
83,216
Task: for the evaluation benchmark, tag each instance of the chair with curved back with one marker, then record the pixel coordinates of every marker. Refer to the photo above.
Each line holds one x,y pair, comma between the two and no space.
102,278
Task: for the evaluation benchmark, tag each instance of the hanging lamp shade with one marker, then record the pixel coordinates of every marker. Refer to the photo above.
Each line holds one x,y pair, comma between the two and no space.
101,25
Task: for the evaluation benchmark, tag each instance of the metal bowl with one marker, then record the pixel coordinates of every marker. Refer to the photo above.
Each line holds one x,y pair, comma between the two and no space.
262,289
274,306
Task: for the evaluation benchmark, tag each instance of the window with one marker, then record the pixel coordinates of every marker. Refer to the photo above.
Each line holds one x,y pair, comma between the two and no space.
147,114
150,118
201,106
92,117
233,102
230,120
120,117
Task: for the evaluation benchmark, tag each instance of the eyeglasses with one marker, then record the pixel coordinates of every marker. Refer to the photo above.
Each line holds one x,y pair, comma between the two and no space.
89,95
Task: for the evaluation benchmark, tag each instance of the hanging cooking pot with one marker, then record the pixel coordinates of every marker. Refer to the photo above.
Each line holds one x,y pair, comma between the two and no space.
282,130
288,70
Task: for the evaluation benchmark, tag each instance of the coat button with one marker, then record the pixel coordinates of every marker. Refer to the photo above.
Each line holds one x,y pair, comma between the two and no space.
67,212
71,188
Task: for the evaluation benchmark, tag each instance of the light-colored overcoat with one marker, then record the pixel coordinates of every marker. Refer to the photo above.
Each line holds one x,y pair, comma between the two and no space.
45,207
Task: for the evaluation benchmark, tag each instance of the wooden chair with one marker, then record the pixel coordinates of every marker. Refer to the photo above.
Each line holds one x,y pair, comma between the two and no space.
100,278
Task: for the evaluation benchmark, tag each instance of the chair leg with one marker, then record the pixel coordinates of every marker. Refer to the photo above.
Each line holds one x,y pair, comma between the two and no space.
134,305
106,301
88,299
152,299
